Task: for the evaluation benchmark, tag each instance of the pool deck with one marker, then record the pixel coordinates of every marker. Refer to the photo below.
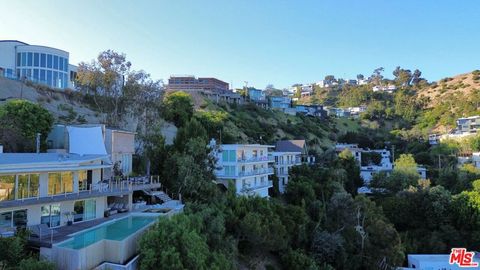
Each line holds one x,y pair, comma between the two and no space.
62,233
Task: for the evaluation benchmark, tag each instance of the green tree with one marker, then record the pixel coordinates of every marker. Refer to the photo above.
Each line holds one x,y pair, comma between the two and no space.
178,107
23,119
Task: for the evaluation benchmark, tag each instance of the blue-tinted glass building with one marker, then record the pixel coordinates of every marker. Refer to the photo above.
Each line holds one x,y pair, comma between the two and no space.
39,64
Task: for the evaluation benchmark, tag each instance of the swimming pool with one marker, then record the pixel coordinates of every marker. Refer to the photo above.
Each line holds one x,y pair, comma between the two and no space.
117,230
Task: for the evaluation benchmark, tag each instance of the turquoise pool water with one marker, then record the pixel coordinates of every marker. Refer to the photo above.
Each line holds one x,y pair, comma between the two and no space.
117,230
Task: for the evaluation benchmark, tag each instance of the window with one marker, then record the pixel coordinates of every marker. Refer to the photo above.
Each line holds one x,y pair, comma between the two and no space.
24,59
49,61
232,156
35,74
65,64
7,187
30,59
28,185
43,60
59,183
55,62
84,210
60,63
82,180
11,219
36,59
42,76
49,77
55,79
225,155
19,59
50,215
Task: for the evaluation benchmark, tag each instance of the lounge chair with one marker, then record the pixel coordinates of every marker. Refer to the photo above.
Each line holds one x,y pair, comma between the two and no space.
121,208
41,230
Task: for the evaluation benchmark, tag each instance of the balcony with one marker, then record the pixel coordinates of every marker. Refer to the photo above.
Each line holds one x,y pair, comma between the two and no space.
255,159
101,189
250,188
246,173
289,162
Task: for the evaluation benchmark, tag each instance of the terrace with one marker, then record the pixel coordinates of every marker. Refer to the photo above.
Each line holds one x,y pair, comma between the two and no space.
103,188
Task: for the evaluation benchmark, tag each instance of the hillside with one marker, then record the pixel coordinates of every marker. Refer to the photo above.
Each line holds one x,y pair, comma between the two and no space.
458,86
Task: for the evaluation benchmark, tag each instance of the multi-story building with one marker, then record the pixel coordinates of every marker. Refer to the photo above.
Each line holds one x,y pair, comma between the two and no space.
280,102
36,63
97,139
468,124
245,167
295,146
191,83
311,110
284,161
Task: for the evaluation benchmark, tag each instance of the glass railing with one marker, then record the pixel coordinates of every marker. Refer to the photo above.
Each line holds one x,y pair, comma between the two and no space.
255,159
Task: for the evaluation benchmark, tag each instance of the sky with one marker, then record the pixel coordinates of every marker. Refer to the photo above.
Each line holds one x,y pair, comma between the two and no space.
257,41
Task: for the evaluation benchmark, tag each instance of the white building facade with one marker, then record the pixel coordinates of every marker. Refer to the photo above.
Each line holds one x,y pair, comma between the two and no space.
246,167
284,161
39,64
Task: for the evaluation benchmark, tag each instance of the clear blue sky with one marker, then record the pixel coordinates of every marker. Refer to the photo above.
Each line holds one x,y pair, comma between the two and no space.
259,41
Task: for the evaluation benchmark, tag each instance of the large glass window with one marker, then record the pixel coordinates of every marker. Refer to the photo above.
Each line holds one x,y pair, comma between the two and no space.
19,59
43,78
35,74
55,62
7,187
84,210
50,215
65,64
59,183
55,79
60,63
13,219
29,59
49,61
232,155
49,77
28,185
43,60
24,59
82,180
36,59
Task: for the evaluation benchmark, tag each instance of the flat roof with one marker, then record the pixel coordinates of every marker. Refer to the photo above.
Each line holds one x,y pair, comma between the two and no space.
11,159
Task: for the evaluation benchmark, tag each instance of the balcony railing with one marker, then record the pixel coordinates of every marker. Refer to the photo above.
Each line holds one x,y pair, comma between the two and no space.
103,188
289,162
266,184
255,159
246,173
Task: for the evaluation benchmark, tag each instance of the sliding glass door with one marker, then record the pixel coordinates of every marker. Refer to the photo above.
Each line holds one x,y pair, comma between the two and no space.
50,215
85,210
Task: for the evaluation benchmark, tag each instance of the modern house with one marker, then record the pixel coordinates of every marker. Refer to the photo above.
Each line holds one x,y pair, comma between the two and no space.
311,110
295,146
468,124
36,63
258,97
95,139
244,166
385,165
353,148
41,188
186,83
280,102
284,161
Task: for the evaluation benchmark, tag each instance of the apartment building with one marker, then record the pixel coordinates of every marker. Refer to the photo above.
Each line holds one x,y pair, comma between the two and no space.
468,124
36,63
280,102
245,167
191,83
284,161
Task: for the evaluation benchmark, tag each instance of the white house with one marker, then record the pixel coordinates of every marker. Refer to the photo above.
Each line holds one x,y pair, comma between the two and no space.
386,165
284,161
245,166
95,139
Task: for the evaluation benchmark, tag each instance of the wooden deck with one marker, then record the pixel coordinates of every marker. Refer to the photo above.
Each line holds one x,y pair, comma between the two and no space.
62,233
